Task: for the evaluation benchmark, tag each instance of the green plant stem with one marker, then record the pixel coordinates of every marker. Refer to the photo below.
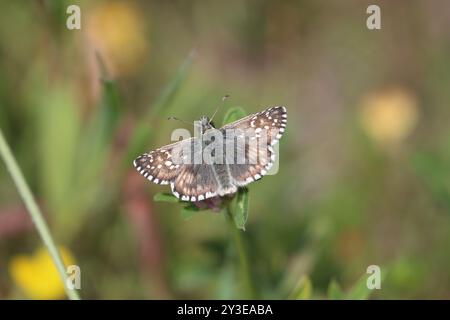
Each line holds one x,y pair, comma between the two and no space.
35,213
243,259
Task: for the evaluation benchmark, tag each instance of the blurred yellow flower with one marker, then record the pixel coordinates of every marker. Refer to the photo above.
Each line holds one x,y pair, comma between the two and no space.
388,117
37,276
116,30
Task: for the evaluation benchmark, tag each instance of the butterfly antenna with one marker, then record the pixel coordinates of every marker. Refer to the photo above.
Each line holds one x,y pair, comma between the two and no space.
175,118
225,97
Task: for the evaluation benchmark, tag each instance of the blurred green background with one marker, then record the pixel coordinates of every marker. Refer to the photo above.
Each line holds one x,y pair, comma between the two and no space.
364,174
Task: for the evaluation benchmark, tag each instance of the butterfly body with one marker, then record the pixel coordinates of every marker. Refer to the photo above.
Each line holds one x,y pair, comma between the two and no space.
205,124
219,161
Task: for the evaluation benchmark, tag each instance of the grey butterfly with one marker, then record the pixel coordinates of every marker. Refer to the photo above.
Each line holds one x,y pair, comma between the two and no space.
193,181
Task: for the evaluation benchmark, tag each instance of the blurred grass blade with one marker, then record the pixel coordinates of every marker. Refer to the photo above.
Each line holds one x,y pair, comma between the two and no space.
35,213
143,131
303,289
334,291
240,210
109,112
168,94
99,135
104,122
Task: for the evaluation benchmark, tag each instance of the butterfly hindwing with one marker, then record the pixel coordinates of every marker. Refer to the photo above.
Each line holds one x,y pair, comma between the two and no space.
195,182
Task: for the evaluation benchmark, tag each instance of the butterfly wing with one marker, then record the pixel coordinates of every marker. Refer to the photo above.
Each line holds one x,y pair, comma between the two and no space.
195,182
273,119
160,165
175,164
190,181
259,154
258,162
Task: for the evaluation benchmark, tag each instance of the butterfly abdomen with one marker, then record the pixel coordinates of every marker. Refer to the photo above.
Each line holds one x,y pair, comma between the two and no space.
222,176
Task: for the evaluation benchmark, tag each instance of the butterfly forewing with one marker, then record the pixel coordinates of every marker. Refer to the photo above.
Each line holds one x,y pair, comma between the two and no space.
273,119
263,129
162,165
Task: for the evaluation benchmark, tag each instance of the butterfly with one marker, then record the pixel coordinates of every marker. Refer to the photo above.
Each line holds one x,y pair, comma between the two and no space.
251,156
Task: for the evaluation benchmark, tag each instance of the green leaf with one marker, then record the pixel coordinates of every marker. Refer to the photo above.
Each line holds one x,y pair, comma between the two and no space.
233,114
303,289
188,211
165,197
334,291
240,210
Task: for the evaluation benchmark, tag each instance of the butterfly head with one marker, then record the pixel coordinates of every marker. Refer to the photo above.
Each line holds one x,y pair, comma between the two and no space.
206,124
